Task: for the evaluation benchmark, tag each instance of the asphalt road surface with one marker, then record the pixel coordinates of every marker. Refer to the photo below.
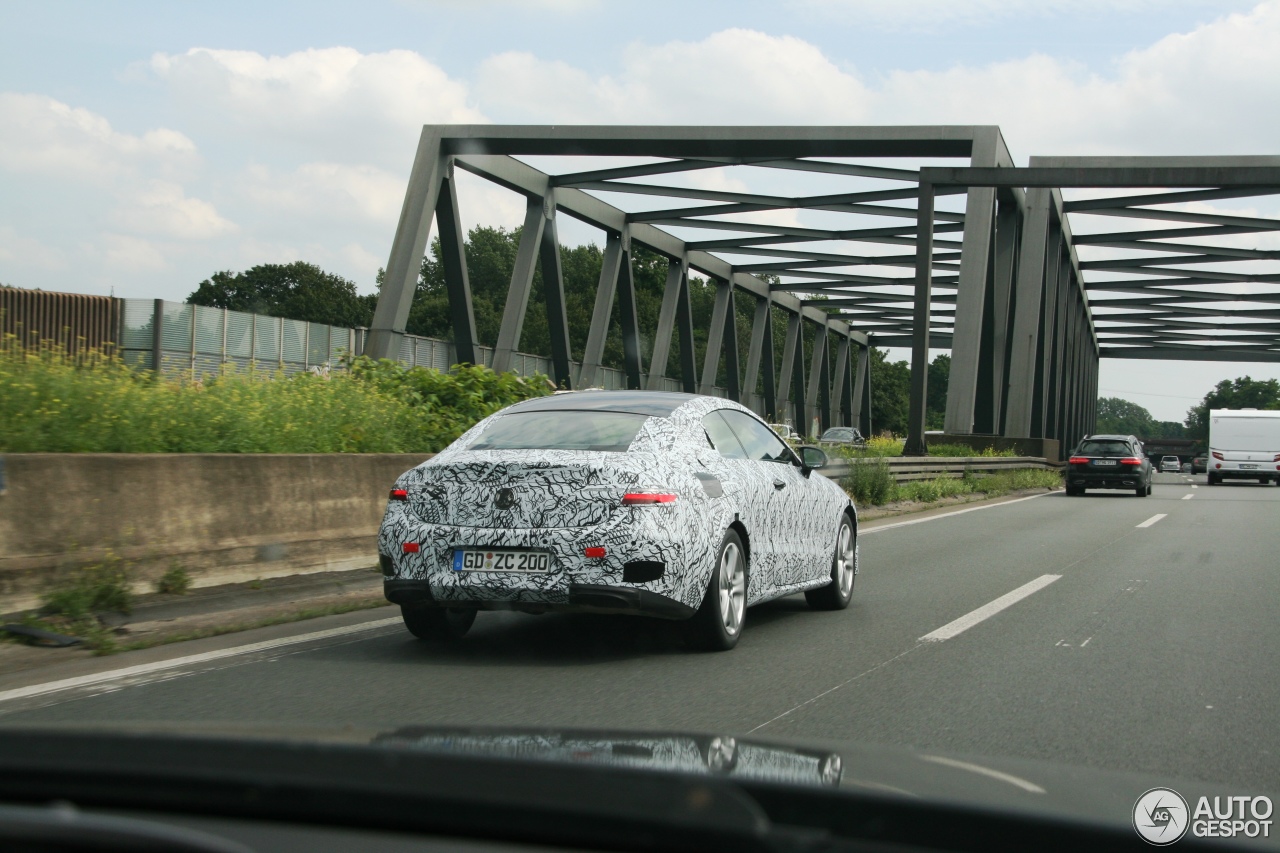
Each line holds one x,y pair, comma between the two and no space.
1106,631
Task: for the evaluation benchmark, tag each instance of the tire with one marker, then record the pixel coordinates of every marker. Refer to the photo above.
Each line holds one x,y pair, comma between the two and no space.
1213,481
1074,491
438,624
1143,491
717,625
844,571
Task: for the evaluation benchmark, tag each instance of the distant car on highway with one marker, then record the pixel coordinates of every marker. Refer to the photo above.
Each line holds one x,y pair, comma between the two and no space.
1109,462
785,432
1199,464
628,502
842,435
1170,464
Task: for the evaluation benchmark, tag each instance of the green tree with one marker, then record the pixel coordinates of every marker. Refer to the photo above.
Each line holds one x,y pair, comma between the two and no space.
1242,393
1118,416
296,291
936,396
890,393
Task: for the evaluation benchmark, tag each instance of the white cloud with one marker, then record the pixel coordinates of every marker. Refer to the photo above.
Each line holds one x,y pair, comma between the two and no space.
20,251
162,207
40,134
126,254
330,190
337,100
1209,90
731,77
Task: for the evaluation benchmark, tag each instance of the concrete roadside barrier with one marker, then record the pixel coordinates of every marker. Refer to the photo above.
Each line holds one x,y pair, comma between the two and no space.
221,518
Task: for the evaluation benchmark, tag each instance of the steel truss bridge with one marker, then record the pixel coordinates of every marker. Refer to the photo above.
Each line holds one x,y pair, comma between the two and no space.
835,244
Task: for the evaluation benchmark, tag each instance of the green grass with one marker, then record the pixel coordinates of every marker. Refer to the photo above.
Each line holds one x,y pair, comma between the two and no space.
870,483
94,403
175,581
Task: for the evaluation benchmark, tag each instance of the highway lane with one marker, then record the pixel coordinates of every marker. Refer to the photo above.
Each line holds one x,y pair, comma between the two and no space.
1150,649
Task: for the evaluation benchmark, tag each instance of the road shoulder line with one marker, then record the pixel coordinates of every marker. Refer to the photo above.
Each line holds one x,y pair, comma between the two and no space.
99,678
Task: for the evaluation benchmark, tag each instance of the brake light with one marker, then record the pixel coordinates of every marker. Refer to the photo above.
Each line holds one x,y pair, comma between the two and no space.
647,498
1078,460
1132,460
595,553
1219,456
399,494
411,547
1277,458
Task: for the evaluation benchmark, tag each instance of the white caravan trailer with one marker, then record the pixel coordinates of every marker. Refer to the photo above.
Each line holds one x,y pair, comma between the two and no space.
1244,444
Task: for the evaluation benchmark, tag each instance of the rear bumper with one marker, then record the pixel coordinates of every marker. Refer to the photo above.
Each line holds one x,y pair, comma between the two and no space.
1244,474
581,598
1117,480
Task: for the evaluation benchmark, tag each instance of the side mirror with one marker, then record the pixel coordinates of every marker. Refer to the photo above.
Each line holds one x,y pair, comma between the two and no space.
811,458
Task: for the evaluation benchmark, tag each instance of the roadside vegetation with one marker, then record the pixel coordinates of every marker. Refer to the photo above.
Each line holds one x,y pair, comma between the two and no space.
870,482
95,403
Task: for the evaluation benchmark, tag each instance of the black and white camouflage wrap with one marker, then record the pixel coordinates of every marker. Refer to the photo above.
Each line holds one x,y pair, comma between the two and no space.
566,501
696,755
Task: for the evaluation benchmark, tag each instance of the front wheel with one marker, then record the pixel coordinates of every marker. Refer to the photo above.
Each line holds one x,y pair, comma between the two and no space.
440,624
844,568
718,623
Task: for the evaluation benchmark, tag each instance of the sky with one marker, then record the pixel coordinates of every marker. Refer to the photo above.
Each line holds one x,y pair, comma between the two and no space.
146,145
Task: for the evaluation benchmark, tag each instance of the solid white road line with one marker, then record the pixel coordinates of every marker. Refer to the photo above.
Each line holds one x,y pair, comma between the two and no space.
1152,520
868,531
986,611
985,771
1188,497
189,660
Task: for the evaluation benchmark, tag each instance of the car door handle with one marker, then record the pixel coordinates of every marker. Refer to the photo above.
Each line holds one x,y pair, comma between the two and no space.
779,484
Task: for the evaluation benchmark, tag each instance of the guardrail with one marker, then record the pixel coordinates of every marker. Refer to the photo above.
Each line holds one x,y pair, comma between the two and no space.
908,468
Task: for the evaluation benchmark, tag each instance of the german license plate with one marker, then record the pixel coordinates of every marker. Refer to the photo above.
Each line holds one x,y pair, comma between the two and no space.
1247,465
1104,462
477,560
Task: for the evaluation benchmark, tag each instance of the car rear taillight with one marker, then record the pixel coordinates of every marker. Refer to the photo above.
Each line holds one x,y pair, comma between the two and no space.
1218,456
1277,458
1078,460
595,552
411,548
399,495
1131,460
647,498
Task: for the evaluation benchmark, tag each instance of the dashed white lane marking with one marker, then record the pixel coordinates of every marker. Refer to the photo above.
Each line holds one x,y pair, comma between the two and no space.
1152,520
868,531
986,611
1188,497
1194,486
100,678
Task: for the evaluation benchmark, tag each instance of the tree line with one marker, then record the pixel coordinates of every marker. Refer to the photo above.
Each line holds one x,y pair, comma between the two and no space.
304,291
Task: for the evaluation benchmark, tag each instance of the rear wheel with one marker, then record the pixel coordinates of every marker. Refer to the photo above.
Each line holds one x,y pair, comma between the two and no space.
1143,491
440,624
844,568
1074,491
718,623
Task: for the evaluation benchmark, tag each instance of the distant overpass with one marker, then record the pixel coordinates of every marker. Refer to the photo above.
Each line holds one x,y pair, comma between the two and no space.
998,278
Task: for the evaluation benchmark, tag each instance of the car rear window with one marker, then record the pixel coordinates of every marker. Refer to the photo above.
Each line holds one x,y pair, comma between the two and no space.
1105,448
561,430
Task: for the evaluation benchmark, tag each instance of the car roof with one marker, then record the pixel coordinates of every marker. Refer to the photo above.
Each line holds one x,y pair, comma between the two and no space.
653,403
1109,438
